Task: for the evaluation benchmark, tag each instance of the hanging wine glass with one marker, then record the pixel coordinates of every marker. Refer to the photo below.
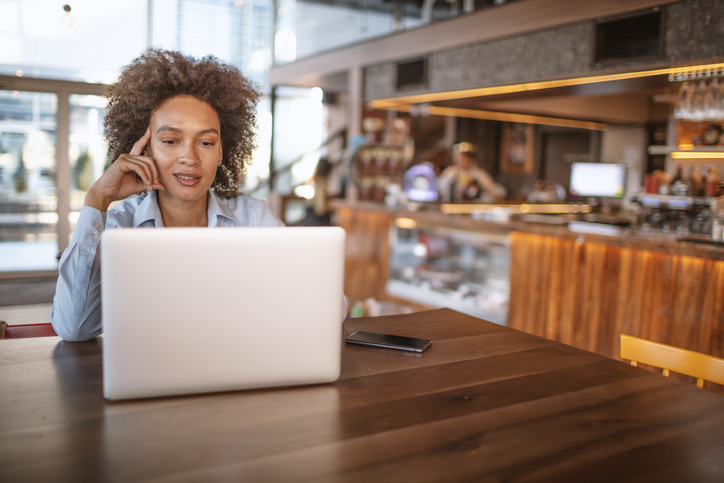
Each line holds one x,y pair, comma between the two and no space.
719,101
710,105
683,103
698,106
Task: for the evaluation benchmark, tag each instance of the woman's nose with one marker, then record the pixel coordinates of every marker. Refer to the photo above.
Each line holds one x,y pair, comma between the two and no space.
189,157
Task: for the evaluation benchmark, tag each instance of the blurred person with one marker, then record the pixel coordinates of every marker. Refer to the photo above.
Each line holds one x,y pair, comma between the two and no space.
464,181
319,213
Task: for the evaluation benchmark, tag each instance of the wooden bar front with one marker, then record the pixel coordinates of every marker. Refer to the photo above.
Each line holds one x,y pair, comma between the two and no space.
587,294
582,290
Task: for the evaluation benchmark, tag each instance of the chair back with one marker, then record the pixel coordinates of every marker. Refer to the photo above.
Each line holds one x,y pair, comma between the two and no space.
703,367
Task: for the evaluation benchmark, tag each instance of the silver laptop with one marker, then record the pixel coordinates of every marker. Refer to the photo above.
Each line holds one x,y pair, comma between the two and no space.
196,310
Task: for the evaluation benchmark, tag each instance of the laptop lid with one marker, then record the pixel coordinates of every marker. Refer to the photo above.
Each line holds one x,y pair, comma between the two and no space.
195,310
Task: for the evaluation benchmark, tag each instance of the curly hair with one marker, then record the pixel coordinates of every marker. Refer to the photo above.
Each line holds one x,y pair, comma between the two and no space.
159,75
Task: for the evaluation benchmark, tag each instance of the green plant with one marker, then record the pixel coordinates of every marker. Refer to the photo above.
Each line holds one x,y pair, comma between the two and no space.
83,171
20,176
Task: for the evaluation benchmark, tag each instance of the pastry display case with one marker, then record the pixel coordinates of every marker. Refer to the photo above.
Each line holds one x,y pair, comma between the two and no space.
441,267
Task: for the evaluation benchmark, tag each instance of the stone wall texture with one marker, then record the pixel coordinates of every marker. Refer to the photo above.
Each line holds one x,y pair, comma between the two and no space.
693,31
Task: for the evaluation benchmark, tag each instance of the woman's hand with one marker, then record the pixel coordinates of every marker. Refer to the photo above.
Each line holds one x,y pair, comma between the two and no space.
129,174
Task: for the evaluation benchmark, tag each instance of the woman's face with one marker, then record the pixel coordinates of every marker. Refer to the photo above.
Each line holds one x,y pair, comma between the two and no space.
186,145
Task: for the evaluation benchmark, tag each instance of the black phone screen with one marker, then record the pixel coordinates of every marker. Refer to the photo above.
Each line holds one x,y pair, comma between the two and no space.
389,341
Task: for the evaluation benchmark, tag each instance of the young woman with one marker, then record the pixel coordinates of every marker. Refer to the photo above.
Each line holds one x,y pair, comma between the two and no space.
181,132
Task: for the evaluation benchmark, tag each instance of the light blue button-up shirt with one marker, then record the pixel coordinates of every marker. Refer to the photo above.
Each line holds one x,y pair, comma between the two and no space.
76,313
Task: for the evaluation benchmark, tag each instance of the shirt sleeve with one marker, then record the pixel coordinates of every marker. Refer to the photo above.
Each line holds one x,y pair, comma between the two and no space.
490,189
76,313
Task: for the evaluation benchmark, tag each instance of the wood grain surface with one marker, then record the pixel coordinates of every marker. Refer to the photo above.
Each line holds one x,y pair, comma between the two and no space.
483,403
586,294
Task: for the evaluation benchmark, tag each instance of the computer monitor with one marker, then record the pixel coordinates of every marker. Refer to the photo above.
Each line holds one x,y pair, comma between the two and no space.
600,180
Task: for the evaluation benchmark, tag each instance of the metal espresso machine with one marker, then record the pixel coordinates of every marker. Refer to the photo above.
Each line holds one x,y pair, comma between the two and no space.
681,215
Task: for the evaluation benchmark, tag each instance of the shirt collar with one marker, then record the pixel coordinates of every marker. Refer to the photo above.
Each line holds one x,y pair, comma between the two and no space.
148,210
217,209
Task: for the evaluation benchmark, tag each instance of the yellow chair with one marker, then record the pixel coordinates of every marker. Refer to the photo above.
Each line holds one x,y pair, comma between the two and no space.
670,358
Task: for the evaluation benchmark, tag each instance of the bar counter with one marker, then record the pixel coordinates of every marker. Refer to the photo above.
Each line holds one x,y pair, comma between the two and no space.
637,239
582,289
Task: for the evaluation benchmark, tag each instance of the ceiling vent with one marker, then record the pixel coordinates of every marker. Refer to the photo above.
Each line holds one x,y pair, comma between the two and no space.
412,73
634,37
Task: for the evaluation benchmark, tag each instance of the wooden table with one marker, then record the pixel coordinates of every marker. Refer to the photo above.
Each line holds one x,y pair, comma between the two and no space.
483,403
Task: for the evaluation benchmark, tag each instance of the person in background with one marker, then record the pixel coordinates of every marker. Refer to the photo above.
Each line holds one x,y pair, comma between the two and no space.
319,213
464,181
181,131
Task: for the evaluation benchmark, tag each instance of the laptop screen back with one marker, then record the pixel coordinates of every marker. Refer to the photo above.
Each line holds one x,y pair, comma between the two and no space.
191,310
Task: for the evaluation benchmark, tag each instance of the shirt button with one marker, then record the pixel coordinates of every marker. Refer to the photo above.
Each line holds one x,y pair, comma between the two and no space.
95,235
97,225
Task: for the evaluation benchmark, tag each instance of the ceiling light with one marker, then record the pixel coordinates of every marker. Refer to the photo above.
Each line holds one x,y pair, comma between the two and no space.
699,155
66,21
502,116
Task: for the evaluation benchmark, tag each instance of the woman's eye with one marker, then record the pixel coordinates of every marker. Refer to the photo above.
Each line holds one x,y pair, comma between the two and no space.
205,143
168,141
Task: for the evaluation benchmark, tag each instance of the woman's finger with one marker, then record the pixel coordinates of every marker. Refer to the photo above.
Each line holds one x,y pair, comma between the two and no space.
150,164
141,143
130,163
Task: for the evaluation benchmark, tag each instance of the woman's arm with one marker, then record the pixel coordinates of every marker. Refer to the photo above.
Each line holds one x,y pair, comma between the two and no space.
76,313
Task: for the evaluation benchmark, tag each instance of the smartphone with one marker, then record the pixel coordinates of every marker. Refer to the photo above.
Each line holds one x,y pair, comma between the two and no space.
389,341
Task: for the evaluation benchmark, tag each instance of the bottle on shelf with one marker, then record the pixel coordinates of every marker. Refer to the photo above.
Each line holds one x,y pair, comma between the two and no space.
664,182
695,181
678,184
717,226
712,183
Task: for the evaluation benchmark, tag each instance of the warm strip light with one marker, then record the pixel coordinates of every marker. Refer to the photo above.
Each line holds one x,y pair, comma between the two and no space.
406,223
686,146
682,155
459,209
507,117
531,86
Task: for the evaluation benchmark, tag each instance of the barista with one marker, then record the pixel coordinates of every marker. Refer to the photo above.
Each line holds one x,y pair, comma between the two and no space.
464,181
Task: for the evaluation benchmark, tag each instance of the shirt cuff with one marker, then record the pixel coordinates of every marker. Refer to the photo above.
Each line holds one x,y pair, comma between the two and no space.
91,223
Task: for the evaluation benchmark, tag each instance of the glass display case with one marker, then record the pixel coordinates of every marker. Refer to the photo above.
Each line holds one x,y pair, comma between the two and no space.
466,271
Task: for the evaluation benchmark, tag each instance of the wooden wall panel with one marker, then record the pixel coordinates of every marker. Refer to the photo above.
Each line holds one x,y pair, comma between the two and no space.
546,309
367,252
587,294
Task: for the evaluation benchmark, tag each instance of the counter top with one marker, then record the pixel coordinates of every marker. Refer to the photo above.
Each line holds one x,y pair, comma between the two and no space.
579,232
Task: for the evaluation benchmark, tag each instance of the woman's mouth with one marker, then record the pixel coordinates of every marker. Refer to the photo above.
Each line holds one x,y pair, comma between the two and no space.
188,179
